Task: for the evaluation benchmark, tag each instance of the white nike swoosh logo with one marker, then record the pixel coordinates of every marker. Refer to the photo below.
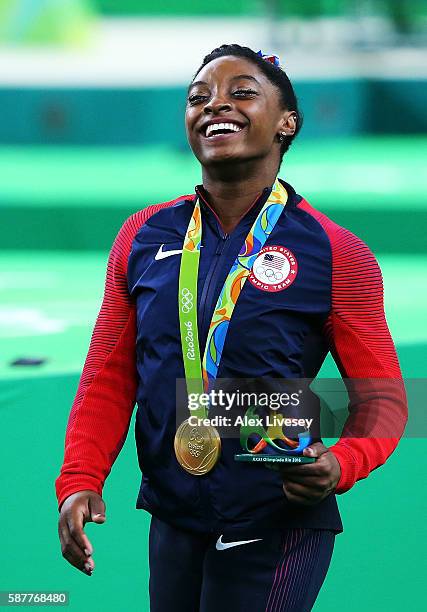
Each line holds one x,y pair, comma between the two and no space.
161,254
220,545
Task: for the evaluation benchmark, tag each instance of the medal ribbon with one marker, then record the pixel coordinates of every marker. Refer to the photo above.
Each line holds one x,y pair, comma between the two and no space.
200,374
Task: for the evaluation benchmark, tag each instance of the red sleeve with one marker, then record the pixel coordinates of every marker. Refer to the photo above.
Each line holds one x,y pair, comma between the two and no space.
100,415
362,347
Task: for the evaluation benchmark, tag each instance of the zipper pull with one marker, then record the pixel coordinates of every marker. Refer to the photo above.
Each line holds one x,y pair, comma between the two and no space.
221,244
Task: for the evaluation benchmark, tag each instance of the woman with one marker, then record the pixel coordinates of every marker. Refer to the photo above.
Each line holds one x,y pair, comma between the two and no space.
235,536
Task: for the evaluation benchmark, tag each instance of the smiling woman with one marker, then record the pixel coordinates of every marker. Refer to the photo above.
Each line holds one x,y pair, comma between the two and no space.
254,98
227,534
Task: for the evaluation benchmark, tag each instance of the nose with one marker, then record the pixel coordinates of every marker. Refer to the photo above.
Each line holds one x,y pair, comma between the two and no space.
216,104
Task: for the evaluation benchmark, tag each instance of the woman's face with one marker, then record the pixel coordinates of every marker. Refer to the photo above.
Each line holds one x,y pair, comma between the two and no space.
233,113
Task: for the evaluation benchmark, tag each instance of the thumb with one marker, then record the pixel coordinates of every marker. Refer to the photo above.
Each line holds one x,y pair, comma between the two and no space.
97,510
315,450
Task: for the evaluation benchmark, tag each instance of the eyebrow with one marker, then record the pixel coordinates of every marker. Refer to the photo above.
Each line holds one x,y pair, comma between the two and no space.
235,78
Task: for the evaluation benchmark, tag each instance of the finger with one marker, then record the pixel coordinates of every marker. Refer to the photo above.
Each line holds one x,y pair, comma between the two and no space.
97,510
72,552
319,468
304,469
75,521
296,499
297,493
298,489
315,450
315,484
63,528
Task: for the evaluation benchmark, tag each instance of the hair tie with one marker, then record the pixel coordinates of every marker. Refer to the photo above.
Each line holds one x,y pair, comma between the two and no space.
273,59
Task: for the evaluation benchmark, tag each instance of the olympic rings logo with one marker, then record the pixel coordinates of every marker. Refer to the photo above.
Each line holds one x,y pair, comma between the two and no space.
186,300
269,274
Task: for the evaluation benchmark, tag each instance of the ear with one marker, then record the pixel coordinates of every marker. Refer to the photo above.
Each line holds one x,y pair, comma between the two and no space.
288,123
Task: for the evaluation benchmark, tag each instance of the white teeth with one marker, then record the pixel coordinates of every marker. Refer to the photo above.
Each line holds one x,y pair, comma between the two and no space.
222,126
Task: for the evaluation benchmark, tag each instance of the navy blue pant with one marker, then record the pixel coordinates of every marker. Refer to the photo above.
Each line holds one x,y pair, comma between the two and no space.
279,571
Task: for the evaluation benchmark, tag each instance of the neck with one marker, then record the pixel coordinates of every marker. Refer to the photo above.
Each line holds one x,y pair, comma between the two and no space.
231,193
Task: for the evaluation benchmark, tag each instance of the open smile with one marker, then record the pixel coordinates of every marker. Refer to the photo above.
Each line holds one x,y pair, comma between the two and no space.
221,131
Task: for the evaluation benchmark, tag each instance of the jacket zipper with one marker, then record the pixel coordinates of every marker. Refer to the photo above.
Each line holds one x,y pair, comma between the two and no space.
205,301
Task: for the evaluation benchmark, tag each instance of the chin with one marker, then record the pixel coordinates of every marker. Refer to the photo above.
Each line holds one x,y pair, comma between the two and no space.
217,158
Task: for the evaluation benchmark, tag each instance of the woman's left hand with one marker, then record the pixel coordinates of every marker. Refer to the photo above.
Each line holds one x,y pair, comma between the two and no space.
309,483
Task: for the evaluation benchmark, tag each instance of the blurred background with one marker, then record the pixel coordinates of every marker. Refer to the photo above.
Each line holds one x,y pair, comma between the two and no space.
92,97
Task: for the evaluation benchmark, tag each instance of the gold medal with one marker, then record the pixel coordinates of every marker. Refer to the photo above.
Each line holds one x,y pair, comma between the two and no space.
197,448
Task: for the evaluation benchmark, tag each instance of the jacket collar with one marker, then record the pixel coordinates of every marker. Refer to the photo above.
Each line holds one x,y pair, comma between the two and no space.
248,217
293,200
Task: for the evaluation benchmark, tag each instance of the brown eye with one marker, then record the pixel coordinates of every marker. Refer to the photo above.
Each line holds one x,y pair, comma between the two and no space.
241,93
195,98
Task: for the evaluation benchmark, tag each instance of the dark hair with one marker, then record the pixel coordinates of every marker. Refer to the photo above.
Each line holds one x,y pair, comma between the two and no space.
277,76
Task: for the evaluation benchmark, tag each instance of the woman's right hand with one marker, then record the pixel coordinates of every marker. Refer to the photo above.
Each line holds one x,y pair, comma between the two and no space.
77,510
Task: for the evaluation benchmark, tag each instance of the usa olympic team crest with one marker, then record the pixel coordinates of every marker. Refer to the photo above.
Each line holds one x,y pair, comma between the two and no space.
274,269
